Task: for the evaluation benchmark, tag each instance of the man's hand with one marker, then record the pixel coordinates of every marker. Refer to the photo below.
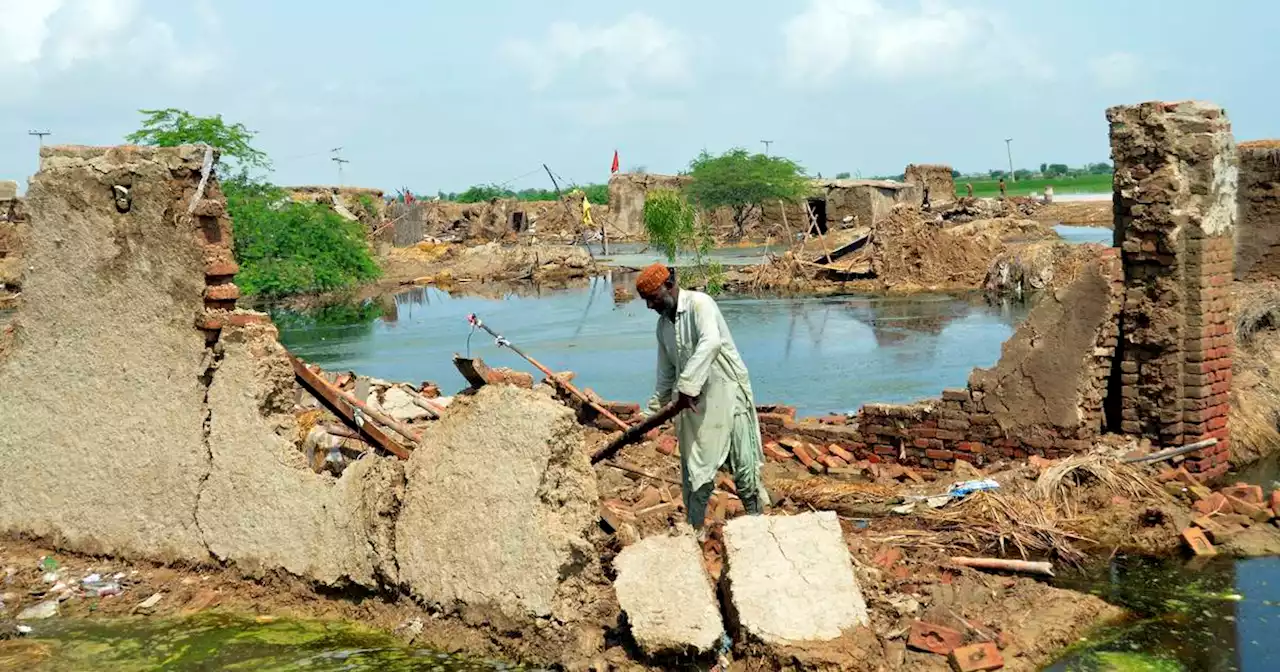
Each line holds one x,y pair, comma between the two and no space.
685,402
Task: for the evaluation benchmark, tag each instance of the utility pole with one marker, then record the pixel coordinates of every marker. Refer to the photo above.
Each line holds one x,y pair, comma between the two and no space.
338,160
1008,150
40,135
766,146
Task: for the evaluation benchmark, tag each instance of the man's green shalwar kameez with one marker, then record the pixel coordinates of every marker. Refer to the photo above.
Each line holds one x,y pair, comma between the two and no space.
697,357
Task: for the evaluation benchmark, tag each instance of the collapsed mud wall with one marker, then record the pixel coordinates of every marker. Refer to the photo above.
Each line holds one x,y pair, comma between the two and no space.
939,181
626,198
502,219
1141,344
1257,247
354,200
1044,397
837,204
146,415
101,404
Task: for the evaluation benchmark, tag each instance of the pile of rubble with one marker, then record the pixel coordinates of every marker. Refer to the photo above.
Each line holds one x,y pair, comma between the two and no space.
968,208
1222,515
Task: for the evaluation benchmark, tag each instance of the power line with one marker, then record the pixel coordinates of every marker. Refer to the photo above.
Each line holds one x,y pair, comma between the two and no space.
40,134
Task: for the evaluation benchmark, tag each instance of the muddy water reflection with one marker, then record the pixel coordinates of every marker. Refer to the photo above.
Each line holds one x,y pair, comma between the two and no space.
823,355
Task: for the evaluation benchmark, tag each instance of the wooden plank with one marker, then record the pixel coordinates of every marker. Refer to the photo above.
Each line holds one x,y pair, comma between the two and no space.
332,396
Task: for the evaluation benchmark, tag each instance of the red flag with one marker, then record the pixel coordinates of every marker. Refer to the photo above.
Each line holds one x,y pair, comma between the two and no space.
614,168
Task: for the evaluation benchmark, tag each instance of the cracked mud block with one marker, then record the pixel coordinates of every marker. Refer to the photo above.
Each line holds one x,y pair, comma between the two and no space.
790,579
101,419
663,587
261,507
498,506
1052,373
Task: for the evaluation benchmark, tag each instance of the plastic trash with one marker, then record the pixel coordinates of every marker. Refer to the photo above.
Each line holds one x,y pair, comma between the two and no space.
968,487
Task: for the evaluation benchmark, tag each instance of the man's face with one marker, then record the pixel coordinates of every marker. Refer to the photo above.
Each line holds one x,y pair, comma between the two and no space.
661,301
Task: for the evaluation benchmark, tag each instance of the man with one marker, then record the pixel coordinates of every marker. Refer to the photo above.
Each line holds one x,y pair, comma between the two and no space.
699,365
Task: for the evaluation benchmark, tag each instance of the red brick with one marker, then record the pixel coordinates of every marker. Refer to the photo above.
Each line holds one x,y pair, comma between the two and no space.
935,454
887,557
667,444
886,450
805,455
932,638
948,435
839,452
1215,503
979,657
246,319
223,292
221,268
1197,542
1253,511
1275,503
1249,493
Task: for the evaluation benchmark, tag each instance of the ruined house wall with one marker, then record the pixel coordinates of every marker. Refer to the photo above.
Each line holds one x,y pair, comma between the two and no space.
143,413
350,197
938,178
1258,228
1175,211
13,231
626,198
103,440
1044,397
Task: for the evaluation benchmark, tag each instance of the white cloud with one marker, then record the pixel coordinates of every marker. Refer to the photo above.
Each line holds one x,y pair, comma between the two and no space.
1117,70
51,36
637,50
891,41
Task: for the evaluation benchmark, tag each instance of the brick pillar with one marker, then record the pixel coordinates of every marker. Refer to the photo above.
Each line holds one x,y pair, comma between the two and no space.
1175,209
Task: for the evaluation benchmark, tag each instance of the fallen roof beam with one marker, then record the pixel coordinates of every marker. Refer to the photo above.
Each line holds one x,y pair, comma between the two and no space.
339,403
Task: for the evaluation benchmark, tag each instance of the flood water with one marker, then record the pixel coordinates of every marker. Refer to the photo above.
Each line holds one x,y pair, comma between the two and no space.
827,355
220,642
1219,616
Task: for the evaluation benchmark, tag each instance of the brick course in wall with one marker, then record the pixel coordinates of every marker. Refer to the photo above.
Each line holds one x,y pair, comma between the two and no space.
969,424
1175,206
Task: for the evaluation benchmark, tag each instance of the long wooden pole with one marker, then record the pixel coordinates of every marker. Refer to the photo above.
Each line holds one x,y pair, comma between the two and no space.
340,404
635,433
564,384
1001,564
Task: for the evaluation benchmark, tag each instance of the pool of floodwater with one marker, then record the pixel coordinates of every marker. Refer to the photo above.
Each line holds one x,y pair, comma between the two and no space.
220,642
822,355
1219,616
639,255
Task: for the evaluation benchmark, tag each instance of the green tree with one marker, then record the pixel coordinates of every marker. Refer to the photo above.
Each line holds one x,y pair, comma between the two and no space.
844,175
672,226
283,247
171,127
1057,169
668,222
743,182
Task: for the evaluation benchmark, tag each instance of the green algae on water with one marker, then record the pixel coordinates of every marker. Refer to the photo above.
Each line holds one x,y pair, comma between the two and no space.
222,642
1117,661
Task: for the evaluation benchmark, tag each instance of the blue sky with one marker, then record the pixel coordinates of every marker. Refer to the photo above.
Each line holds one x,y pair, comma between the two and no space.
442,95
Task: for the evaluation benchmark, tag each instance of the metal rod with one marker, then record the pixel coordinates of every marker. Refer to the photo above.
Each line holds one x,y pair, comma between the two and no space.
475,321
1172,452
